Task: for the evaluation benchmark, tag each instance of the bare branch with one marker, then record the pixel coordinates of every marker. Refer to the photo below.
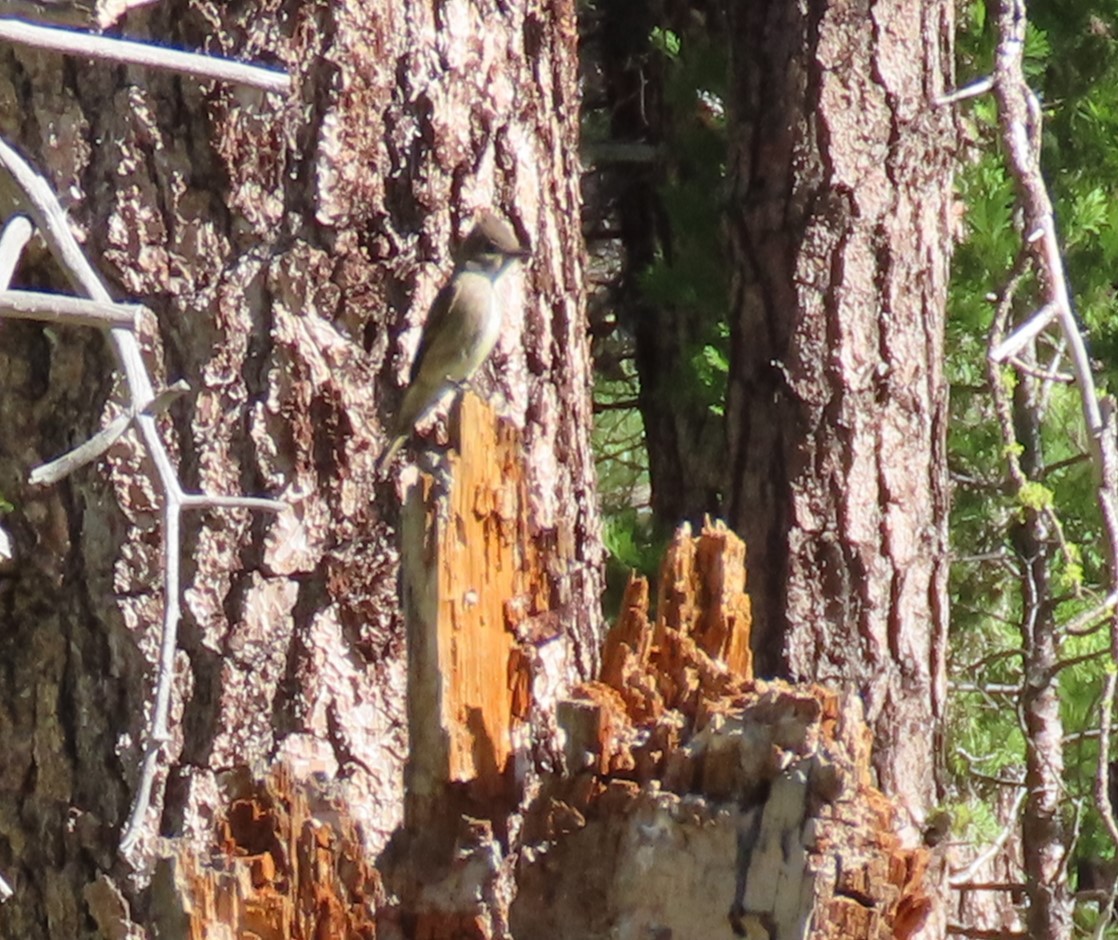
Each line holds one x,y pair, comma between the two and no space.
1019,116
1086,622
1025,333
37,197
73,311
968,873
1063,664
62,467
13,239
596,154
990,886
1102,769
1057,465
1044,375
973,90
1019,119
194,501
981,933
988,688
73,42
623,404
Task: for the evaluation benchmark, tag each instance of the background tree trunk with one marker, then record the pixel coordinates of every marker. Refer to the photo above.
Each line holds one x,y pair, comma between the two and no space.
289,250
839,227
684,437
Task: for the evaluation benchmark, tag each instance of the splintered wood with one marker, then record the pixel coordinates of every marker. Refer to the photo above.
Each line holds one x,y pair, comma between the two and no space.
287,863
473,580
676,796
703,802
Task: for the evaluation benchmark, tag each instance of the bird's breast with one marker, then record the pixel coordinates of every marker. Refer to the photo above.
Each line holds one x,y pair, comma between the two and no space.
483,321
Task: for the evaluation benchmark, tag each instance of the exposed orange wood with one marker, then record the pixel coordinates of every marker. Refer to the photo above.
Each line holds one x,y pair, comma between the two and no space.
677,708
281,872
471,676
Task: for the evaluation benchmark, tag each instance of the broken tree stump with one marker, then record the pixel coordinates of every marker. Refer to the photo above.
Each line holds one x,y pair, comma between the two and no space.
675,795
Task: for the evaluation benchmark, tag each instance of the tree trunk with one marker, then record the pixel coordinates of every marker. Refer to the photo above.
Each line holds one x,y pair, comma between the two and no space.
839,227
684,437
289,251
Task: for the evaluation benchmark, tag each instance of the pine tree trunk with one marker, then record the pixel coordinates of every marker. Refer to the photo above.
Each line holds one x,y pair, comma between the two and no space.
683,437
839,225
289,250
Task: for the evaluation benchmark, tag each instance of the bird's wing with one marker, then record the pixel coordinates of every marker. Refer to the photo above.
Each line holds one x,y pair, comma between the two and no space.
432,326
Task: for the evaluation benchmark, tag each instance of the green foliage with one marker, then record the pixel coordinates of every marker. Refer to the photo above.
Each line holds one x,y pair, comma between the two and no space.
711,367
665,41
1072,62
618,441
622,463
688,277
689,274
1035,496
974,821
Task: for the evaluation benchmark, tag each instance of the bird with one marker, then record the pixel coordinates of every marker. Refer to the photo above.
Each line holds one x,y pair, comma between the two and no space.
462,326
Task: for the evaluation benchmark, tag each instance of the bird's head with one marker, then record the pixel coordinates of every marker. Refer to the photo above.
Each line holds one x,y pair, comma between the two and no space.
491,246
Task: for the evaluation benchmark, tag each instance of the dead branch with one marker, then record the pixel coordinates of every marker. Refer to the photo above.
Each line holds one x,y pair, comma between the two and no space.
13,239
74,42
1019,119
1024,334
72,311
973,90
961,879
42,205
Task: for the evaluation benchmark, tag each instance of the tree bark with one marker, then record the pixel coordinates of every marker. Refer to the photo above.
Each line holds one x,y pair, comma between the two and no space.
839,229
289,251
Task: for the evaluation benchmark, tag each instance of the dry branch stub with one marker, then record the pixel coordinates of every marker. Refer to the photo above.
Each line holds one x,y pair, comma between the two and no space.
474,586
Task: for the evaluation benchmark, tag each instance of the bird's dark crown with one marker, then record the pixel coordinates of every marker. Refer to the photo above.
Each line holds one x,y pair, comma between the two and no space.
491,236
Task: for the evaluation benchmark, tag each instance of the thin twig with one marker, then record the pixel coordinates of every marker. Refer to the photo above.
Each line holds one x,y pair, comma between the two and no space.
1043,375
16,235
1057,465
1102,769
973,90
202,501
1061,664
73,311
74,42
994,847
987,688
62,467
983,933
1025,333
1084,623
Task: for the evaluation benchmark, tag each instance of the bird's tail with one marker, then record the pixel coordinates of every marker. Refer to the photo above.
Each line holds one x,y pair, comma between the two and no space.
389,452
419,400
